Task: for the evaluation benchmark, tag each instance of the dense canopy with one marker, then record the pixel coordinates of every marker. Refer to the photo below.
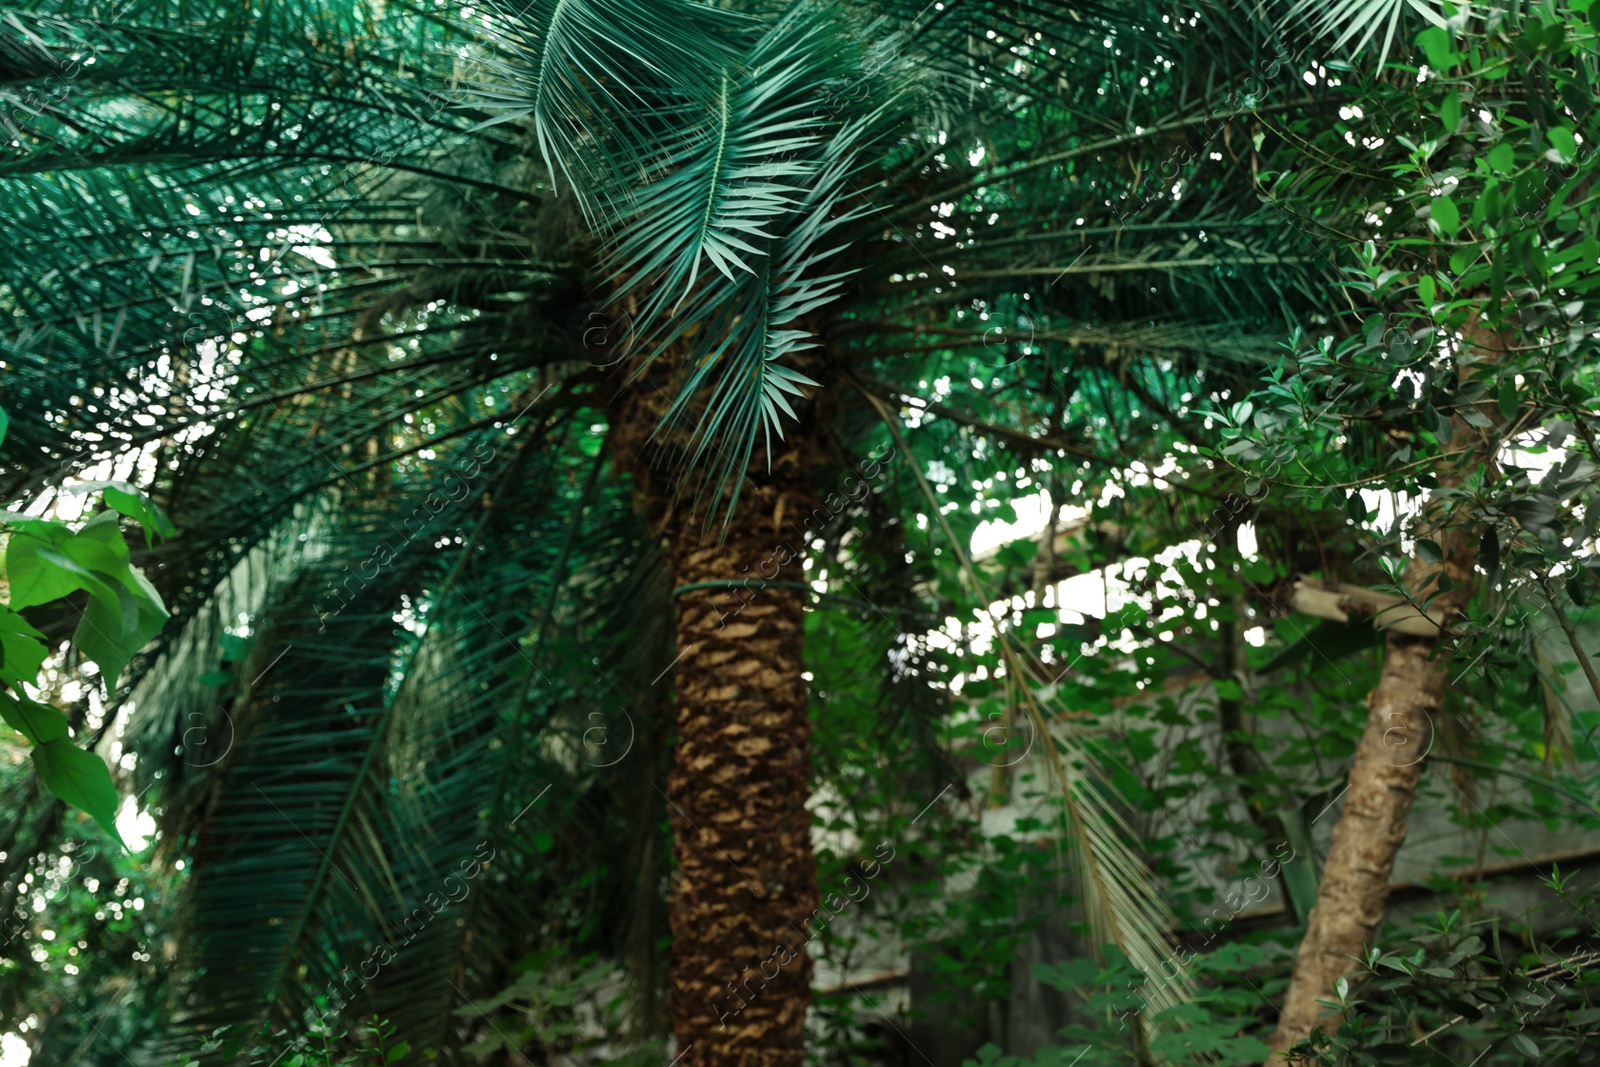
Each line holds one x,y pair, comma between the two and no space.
762,532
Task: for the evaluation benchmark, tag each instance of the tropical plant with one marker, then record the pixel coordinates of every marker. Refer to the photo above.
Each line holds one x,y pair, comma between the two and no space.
47,561
575,419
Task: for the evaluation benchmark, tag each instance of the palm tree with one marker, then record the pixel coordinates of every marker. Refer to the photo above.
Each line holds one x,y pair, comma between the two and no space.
450,412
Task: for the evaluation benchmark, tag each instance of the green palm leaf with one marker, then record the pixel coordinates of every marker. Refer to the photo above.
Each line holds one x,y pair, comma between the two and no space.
1344,20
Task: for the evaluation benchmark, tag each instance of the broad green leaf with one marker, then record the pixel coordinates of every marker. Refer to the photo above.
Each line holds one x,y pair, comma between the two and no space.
22,648
115,627
1439,47
20,658
35,578
12,622
35,721
5,423
80,778
99,546
131,501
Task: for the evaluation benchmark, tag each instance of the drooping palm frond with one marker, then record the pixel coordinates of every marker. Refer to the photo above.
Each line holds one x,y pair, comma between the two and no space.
329,328
424,745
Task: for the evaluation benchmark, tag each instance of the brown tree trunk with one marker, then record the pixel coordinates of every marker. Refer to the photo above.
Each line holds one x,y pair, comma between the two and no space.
1401,712
745,880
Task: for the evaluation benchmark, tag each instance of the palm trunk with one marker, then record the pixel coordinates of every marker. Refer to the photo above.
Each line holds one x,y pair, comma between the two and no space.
745,883
1401,712
746,878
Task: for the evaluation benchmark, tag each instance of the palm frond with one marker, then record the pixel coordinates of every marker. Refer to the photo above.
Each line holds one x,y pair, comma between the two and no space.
729,250
1344,20
586,70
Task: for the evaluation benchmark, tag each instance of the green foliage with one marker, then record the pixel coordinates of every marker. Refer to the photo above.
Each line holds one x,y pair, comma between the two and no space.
369,1044
558,1007
358,344
48,560
1205,1030
1454,988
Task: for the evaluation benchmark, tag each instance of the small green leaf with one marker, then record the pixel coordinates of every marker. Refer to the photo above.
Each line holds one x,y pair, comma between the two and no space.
1439,47
399,1050
1508,399
1429,550
80,778
1355,507
1502,158
235,648
1525,1045
1450,111
5,423
543,841
1447,215
1426,289
1533,512
1562,140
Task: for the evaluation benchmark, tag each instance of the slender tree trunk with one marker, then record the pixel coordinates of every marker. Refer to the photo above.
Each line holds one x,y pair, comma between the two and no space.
1401,713
745,882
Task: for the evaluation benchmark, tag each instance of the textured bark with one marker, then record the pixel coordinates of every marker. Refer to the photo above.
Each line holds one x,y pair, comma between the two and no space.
741,975
1369,833
1401,714
744,895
